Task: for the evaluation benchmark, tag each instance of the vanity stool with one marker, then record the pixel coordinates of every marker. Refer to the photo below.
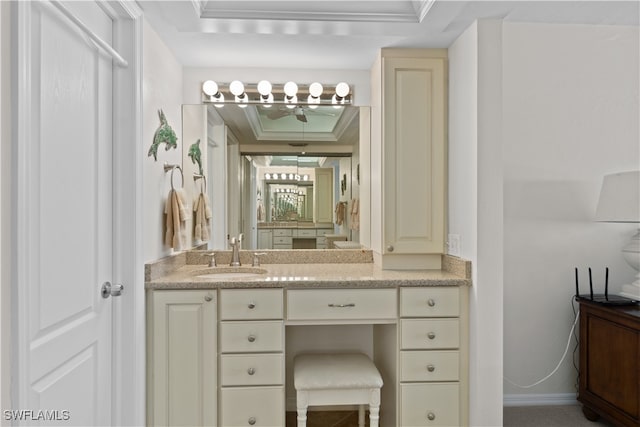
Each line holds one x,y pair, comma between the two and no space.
337,379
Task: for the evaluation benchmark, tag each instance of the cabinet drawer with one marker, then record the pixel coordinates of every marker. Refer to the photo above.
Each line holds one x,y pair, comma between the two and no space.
341,304
251,337
251,304
285,246
255,406
306,233
421,334
282,240
282,232
321,240
429,405
429,366
322,232
430,302
252,369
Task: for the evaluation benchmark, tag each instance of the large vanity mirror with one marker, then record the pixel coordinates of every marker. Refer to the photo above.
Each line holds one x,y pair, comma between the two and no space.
286,178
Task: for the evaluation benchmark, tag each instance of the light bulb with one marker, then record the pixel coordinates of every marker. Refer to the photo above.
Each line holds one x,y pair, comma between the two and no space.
236,88
315,90
290,176
210,88
264,87
267,176
290,89
342,89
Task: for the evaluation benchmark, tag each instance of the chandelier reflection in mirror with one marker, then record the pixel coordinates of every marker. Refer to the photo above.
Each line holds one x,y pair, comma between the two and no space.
265,93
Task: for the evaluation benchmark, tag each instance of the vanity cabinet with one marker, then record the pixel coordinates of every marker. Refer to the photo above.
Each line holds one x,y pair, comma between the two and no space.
432,357
408,152
251,357
418,341
265,239
182,358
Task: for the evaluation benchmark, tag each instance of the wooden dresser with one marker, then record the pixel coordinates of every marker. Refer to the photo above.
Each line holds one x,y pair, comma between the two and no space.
610,363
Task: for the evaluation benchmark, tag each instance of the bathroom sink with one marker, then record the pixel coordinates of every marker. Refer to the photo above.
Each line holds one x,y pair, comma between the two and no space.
229,272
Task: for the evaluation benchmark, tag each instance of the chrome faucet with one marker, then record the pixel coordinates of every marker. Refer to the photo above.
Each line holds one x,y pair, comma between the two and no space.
235,247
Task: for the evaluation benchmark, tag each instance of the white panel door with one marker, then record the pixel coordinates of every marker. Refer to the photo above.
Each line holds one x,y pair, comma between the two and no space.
65,216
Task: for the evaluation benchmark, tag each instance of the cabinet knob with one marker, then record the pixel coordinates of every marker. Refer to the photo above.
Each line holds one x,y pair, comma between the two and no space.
252,421
251,371
431,416
431,302
251,338
390,248
252,305
431,368
208,298
431,335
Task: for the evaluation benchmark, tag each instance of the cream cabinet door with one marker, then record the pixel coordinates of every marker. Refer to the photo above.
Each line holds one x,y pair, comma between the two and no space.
323,195
182,358
413,138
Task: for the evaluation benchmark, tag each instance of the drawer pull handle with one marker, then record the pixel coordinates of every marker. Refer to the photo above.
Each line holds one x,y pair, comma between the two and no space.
251,371
431,302
251,338
431,368
431,335
431,416
208,298
252,305
390,248
342,305
252,421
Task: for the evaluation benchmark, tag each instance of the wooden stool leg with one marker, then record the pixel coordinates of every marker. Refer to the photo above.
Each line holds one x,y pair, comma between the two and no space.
361,416
302,403
374,408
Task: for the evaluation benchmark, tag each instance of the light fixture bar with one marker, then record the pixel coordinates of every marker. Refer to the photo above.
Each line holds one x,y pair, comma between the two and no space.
257,93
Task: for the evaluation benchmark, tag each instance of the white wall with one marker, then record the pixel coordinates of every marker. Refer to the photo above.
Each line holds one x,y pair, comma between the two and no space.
162,89
5,207
475,203
570,116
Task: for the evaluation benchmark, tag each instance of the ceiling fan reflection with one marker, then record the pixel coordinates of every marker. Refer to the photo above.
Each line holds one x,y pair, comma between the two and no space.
298,111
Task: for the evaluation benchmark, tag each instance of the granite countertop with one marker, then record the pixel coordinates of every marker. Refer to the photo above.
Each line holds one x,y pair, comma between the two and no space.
325,275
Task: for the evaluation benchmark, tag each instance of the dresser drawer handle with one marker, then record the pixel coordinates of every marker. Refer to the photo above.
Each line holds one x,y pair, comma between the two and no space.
431,302
252,305
208,298
431,368
251,371
341,305
252,421
431,416
431,335
251,338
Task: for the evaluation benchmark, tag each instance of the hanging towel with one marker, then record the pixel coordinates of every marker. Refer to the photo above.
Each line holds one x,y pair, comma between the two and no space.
175,233
261,212
340,213
202,214
355,215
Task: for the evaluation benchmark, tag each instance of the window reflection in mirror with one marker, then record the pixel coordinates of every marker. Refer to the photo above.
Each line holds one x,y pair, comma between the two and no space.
289,177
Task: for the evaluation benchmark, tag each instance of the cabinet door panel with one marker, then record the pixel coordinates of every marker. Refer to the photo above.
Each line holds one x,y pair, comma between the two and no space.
183,358
414,155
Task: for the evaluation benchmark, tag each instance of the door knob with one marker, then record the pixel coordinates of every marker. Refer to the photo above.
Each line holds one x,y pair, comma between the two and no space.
108,290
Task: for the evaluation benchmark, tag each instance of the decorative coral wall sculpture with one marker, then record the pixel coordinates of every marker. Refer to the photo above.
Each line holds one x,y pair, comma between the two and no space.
195,154
164,134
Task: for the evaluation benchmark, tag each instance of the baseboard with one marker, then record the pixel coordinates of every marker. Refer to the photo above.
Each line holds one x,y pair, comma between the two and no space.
551,399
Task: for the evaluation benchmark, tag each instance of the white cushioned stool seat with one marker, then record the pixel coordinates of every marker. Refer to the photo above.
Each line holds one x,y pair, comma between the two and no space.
337,379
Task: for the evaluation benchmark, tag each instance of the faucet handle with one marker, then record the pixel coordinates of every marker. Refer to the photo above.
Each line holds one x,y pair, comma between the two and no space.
256,259
212,261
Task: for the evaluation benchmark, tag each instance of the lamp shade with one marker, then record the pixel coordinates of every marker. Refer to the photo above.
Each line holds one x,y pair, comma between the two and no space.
619,198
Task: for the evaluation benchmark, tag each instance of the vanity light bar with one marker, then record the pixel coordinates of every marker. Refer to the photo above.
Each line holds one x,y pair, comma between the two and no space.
267,94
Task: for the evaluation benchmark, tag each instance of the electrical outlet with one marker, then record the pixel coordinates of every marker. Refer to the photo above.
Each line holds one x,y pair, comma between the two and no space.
454,245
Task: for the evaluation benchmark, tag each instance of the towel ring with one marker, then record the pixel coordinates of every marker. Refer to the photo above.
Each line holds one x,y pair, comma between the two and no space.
172,168
204,179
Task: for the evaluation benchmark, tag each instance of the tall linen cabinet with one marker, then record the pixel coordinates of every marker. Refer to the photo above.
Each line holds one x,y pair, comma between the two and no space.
408,157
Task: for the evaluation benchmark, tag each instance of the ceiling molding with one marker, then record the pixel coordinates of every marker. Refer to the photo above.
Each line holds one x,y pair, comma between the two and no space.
406,11
422,7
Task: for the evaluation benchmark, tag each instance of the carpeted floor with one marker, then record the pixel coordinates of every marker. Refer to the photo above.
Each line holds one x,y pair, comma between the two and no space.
548,416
